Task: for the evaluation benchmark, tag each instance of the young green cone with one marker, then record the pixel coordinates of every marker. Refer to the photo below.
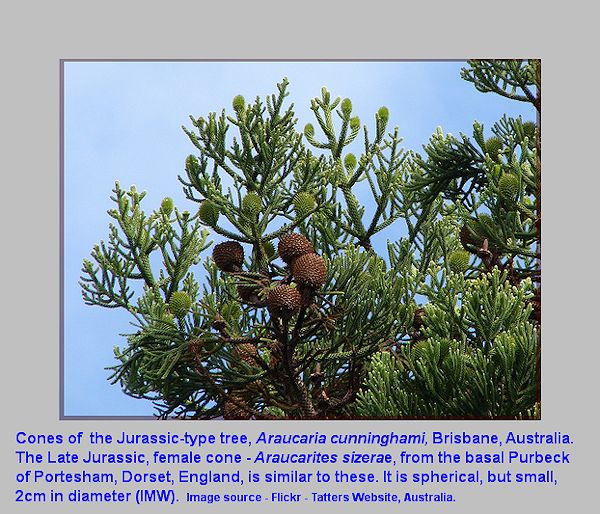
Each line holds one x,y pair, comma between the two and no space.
304,203
209,213
180,303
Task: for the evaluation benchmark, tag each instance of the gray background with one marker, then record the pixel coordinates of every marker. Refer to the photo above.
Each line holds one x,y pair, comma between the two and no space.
35,36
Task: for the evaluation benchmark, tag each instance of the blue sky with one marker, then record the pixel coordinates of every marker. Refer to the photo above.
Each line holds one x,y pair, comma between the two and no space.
122,121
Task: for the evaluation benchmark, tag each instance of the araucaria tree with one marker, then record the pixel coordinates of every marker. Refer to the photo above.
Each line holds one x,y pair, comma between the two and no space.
294,313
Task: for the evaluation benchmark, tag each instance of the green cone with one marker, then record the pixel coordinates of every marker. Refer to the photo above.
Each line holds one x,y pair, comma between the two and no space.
209,213
492,146
303,203
238,103
180,303
384,114
350,162
167,205
251,204
346,106
355,123
458,261
508,187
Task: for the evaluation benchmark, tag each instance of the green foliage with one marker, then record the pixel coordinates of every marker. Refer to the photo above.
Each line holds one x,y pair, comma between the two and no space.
511,78
487,368
125,257
442,378
529,128
266,338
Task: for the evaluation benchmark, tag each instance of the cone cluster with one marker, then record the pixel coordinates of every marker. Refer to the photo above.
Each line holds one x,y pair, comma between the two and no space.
308,270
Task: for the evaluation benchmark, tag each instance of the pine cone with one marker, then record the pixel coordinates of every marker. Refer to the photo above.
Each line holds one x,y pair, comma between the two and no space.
508,187
350,162
209,213
284,300
233,408
246,352
304,203
229,256
180,303
167,205
418,324
418,318
292,246
492,146
459,261
383,114
238,103
251,204
310,270
346,106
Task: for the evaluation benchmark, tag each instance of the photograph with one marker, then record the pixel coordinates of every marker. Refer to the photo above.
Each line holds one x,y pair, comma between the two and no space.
301,240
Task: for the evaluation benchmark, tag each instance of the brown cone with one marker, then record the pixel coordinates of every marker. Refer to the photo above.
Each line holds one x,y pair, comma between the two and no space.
234,409
292,246
229,256
284,300
418,321
310,270
195,348
246,351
